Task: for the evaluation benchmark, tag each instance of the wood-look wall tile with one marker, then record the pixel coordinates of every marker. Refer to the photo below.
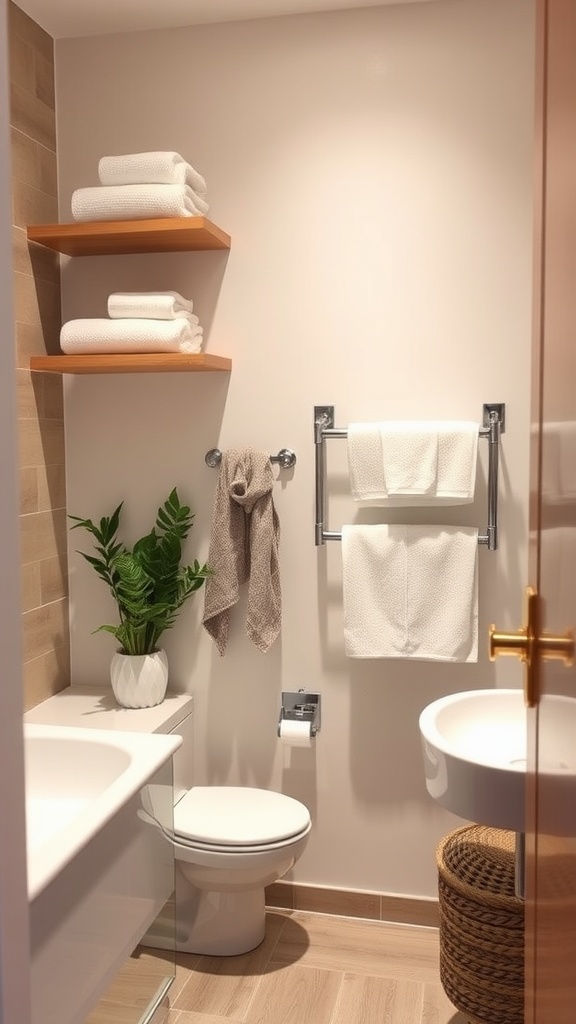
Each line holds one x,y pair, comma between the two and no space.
43,535
53,397
46,675
35,340
41,442
280,894
32,206
28,491
38,261
44,80
298,995
51,487
21,61
26,396
53,578
22,25
408,910
33,164
342,902
30,584
45,628
214,988
36,301
33,117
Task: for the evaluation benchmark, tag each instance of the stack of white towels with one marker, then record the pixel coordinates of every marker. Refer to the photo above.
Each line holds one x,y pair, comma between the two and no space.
411,591
137,322
141,186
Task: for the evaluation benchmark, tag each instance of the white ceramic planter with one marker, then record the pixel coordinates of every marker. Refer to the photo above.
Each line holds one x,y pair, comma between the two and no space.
139,680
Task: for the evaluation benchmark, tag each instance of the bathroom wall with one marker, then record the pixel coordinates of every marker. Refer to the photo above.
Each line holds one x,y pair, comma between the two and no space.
14,938
373,168
37,320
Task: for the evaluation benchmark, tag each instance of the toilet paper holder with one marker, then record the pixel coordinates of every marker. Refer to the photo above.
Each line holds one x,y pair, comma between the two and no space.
301,707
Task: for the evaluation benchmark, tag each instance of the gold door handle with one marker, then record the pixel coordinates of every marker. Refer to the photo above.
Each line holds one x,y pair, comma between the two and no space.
530,646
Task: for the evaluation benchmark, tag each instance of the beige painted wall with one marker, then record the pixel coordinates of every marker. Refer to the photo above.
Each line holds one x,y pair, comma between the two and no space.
374,171
37,320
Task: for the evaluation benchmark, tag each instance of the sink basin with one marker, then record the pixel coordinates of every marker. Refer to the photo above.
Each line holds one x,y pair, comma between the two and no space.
474,746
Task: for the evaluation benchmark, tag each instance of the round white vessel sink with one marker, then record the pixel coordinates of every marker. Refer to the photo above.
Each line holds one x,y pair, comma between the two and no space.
474,746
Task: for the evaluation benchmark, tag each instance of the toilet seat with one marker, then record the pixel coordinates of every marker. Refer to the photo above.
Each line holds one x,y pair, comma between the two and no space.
238,819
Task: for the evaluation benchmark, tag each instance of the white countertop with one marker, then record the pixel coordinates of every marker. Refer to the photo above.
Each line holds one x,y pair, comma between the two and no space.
94,707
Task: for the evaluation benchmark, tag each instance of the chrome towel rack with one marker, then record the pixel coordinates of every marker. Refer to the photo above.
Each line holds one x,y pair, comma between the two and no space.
285,458
493,425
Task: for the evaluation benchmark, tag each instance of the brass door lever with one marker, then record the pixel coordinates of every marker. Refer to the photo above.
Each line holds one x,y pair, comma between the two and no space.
530,646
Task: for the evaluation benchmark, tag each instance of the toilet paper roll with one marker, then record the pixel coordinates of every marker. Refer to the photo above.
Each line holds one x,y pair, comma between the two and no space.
295,734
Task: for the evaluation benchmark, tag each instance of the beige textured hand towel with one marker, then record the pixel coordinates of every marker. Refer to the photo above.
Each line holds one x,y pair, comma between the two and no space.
244,548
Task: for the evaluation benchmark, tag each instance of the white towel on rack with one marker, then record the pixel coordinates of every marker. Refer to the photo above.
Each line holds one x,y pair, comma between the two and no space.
131,202
90,336
153,305
401,463
410,592
162,167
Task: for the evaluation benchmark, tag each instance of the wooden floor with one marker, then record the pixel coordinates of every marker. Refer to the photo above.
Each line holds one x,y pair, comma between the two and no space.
316,969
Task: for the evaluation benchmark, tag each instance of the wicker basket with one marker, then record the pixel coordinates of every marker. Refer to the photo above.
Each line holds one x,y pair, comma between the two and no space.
481,925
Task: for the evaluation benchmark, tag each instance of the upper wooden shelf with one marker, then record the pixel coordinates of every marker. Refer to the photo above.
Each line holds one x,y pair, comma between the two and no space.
128,237
149,362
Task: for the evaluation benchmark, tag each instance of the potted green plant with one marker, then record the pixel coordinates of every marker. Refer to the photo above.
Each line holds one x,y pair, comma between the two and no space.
149,586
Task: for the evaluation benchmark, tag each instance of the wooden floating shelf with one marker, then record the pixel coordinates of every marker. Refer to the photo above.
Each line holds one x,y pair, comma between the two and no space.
129,237
154,362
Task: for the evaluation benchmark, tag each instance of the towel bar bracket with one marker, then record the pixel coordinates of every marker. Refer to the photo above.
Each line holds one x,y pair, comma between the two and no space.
285,458
488,417
493,424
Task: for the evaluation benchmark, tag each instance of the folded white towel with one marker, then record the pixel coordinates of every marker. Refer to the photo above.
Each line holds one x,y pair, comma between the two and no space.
155,305
148,168
88,336
413,463
130,202
410,592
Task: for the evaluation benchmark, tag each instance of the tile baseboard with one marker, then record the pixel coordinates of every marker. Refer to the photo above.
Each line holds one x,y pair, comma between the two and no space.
371,906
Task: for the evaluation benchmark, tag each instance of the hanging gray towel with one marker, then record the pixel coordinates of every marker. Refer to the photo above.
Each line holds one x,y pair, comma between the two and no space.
244,549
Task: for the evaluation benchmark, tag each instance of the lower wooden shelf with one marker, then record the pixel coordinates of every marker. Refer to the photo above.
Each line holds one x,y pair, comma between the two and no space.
154,362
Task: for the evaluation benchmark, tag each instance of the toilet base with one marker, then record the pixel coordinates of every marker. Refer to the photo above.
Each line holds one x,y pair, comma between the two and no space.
221,923
212,923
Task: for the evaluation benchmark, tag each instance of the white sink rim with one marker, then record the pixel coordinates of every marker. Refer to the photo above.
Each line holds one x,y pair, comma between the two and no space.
481,776
147,752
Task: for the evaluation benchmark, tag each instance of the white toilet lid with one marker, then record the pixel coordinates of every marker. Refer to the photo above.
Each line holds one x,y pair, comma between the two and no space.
238,816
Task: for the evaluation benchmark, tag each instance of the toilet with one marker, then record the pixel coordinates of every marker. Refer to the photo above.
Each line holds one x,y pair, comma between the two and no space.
230,842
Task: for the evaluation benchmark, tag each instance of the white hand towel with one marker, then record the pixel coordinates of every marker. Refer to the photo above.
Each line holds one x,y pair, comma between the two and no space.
89,336
154,305
410,457
413,463
410,592
366,463
147,168
131,202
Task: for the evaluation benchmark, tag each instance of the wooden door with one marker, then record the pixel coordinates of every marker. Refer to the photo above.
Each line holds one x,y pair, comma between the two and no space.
551,857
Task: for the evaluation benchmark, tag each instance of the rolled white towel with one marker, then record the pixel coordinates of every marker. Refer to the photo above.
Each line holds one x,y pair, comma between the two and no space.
89,336
131,202
155,167
155,305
